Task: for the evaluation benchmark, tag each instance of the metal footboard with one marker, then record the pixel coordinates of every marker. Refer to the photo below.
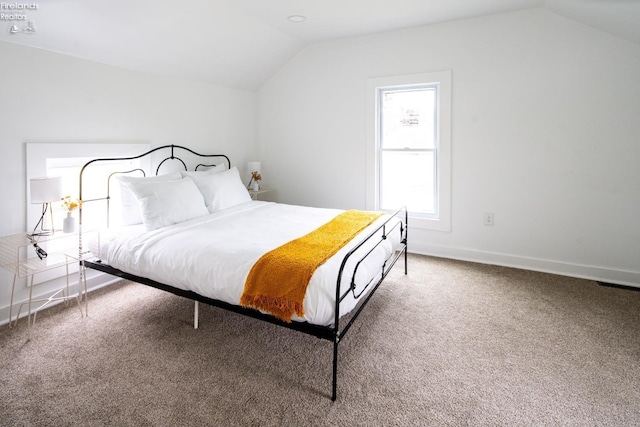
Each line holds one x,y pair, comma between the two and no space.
381,233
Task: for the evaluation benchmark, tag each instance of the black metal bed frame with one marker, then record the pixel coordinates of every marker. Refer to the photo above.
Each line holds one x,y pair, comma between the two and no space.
331,333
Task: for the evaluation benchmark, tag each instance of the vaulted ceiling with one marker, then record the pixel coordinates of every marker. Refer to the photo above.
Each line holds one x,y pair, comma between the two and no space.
241,43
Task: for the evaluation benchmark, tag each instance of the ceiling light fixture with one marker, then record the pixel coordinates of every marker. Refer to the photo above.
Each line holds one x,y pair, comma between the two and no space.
297,18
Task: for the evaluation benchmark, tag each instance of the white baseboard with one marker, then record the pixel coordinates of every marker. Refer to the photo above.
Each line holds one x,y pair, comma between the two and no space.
96,282
600,274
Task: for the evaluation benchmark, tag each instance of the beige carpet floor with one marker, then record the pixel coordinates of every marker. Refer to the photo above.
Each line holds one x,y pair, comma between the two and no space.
452,343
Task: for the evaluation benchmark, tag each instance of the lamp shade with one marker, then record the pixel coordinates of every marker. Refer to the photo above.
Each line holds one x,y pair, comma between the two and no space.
45,190
253,167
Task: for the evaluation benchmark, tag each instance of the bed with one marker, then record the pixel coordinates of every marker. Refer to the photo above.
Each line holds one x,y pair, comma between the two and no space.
197,233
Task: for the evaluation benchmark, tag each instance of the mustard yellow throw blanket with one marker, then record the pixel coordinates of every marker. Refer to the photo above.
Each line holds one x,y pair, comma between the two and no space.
278,281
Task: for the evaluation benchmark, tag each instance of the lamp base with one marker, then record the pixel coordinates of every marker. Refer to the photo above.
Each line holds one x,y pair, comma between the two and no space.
41,223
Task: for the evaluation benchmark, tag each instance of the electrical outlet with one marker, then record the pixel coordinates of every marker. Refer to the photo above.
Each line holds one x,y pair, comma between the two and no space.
488,218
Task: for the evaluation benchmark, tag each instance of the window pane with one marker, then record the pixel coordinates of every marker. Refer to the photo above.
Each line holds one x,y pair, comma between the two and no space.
407,118
408,178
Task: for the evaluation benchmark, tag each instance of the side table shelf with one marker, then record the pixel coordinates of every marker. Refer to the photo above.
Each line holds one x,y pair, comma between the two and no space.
18,255
259,195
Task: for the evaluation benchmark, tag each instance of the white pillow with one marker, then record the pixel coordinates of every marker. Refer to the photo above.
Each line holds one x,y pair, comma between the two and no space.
222,190
129,207
165,203
214,169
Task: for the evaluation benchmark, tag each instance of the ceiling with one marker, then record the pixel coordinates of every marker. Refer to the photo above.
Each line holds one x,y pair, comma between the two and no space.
241,43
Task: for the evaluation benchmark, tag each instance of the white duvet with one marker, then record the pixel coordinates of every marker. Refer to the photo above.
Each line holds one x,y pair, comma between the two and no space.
212,255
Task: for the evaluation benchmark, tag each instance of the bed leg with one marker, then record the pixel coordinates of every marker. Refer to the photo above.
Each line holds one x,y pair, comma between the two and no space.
335,370
195,316
405,261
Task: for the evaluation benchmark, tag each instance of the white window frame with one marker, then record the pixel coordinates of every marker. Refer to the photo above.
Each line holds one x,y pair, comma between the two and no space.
441,221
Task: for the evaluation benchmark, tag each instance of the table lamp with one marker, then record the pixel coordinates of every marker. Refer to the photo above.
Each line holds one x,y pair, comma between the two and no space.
45,190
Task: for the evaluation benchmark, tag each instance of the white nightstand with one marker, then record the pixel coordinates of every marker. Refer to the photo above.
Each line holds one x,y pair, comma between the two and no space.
18,254
264,193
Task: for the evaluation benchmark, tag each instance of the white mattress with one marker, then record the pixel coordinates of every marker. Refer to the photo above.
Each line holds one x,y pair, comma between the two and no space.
212,255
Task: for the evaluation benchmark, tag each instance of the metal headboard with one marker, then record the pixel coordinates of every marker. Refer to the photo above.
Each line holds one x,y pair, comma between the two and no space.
171,156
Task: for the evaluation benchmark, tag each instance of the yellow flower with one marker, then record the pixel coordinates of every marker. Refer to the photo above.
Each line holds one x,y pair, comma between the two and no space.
256,176
70,205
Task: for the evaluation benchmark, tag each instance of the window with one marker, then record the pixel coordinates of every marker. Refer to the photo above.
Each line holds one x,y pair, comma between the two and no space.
409,147
407,117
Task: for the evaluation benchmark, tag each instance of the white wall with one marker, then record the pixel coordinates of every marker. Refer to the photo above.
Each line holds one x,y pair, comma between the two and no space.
545,135
47,97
